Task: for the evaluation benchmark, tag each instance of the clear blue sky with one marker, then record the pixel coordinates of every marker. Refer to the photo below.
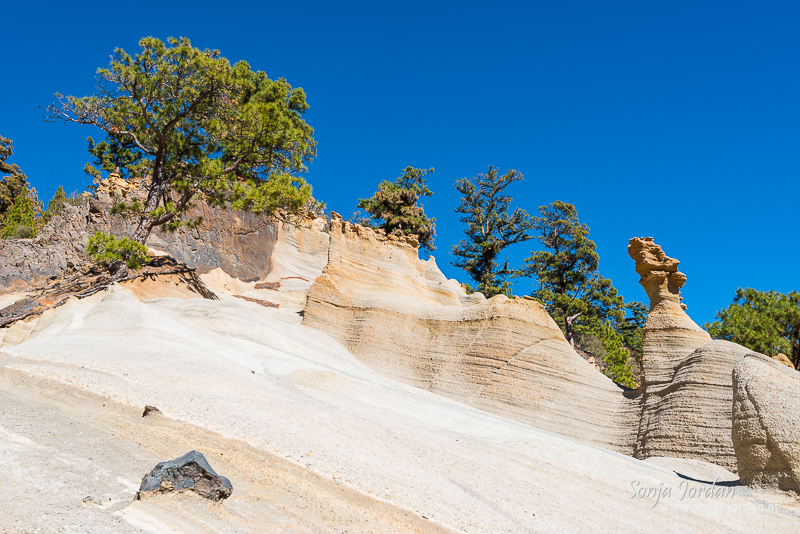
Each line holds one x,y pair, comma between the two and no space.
678,120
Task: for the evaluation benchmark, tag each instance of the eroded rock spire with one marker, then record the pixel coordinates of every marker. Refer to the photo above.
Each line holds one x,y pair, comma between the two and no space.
659,273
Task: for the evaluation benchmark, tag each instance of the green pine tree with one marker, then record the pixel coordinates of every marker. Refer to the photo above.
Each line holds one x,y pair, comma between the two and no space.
395,207
20,221
490,228
13,181
568,282
55,206
196,125
764,321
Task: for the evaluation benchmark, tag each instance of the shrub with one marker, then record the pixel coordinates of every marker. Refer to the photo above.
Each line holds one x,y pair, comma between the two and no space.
104,249
23,232
54,206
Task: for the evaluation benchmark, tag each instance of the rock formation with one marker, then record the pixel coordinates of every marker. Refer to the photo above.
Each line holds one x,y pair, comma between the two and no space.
687,390
669,334
766,423
190,472
159,277
402,317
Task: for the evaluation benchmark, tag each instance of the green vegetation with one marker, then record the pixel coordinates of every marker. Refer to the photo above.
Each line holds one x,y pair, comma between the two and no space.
21,220
764,321
394,207
13,181
568,283
195,124
105,249
631,331
616,355
584,304
55,206
490,229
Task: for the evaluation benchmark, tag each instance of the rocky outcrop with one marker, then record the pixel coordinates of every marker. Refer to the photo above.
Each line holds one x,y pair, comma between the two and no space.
766,423
190,472
402,317
659,273
687,390
239,243
784,359
59,246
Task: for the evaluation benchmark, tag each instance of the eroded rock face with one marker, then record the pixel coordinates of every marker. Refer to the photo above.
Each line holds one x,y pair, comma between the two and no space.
60,246
190,472
766,423
402,317
669,334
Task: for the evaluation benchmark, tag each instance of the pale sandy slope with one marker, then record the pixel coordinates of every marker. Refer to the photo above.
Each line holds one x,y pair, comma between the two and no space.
255,375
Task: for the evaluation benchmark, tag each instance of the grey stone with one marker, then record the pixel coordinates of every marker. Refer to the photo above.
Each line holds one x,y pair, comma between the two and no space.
240,243
189,472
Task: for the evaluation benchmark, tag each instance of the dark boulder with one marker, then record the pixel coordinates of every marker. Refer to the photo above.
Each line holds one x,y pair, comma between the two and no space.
189,472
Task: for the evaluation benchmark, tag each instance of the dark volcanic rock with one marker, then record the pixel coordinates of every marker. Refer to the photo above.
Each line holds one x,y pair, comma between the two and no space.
150,410
238,242
189,472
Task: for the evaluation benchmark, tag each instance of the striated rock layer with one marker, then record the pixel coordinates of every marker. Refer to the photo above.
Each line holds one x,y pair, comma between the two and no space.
766,423
402,317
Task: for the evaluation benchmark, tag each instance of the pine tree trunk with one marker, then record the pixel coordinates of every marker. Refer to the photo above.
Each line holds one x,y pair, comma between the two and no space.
154,196
570,334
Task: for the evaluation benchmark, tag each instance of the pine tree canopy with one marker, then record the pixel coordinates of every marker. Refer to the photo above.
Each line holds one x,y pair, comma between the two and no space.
568,283
394,207
54,206
764,321
195,124
490,228
13,181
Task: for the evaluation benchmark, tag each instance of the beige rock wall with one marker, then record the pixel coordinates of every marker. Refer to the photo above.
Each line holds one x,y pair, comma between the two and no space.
403,318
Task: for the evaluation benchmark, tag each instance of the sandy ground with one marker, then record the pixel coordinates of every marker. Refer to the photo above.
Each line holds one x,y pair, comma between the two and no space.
312,440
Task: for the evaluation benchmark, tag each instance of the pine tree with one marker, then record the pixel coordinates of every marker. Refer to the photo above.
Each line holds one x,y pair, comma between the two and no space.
491,228
13,181
20,222
394,207
764,321
197,125
54,206
568,283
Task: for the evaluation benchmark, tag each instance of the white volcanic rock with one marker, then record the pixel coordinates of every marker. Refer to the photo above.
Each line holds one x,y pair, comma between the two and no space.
236,368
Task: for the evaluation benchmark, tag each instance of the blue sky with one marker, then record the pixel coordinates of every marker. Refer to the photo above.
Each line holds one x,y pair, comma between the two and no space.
678,120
